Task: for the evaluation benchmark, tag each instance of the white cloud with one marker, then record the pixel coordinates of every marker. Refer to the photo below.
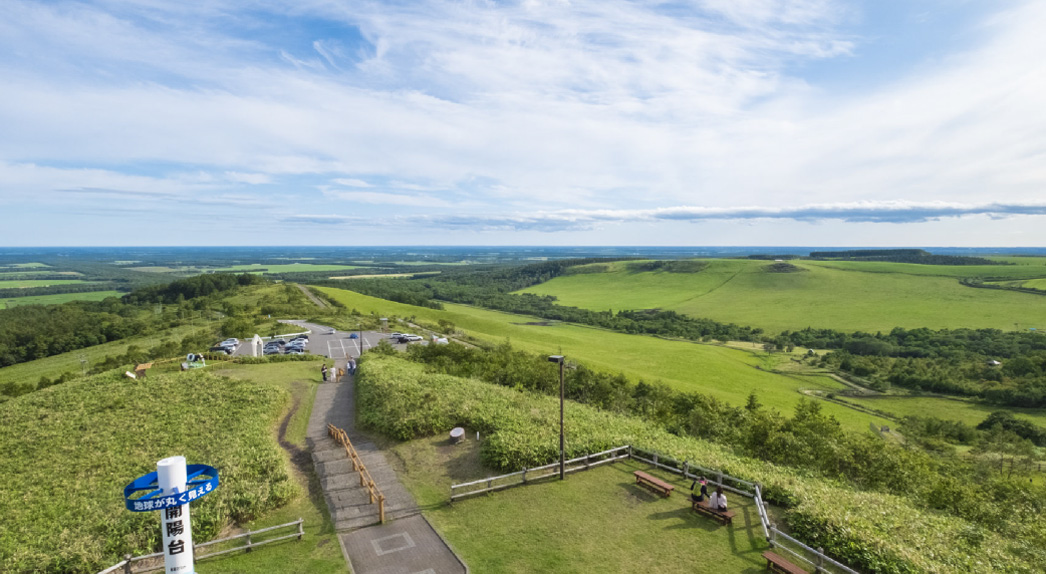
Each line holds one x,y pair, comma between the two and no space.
585,105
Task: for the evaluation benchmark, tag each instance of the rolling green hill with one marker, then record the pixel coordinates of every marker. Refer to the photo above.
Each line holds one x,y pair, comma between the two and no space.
728,374
845,296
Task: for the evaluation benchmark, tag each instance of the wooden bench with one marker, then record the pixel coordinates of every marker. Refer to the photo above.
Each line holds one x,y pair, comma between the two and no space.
702,507
775,563
653,483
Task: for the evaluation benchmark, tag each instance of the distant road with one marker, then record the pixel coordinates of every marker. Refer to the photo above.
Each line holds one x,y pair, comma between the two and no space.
311,297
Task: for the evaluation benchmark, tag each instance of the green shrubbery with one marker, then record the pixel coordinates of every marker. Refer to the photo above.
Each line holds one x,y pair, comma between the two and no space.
878,532
70,449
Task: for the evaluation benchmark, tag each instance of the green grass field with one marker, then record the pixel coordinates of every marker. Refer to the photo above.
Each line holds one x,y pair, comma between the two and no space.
967,411
25,265
595,521
54,366
25,283
846,296
726,373
249,268
57,299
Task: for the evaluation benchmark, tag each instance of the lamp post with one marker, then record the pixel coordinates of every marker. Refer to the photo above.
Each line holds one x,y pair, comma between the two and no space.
562,449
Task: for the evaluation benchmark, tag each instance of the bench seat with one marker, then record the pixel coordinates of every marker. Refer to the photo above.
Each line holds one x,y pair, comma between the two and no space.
723,518
775,563
653,483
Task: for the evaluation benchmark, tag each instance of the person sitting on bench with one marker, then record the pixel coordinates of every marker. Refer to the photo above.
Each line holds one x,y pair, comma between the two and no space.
718,500
704,490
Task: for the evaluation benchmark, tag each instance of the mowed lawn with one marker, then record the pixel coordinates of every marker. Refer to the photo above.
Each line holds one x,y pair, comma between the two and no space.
58,299
595,521
845,296
728,374
968,411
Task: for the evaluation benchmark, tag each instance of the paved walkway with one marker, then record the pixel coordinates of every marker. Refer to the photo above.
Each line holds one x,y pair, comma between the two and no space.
406,543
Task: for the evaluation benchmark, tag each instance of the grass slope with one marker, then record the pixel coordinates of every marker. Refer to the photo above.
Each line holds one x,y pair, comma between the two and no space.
58,299
562,526
70,362
70,449
847,296
728,374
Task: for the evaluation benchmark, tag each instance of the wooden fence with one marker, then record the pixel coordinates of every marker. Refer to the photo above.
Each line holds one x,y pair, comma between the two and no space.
526,475
151,562
342,438
815,557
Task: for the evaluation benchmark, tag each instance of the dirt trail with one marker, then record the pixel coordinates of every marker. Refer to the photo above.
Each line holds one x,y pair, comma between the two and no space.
311,297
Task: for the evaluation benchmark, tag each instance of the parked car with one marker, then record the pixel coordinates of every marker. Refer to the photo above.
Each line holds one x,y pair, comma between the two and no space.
415,338
280,342
294,351
354,336
395,335
271,351
220,349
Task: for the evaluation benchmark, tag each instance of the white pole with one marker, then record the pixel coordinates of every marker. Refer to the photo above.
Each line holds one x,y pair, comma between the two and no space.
174,520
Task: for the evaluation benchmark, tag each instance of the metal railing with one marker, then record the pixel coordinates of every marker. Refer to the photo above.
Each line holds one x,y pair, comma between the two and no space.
342,438
155,561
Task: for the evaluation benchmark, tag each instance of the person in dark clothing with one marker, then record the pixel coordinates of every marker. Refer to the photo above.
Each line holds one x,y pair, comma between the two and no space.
704,489
323,371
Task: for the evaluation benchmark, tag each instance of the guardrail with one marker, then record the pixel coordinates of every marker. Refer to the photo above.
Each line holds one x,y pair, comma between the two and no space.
819,561
127,565
342,438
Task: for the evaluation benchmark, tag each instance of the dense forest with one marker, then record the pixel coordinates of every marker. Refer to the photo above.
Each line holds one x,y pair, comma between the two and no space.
31,332
918,256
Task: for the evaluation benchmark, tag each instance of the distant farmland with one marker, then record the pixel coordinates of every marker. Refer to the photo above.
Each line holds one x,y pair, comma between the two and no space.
846,296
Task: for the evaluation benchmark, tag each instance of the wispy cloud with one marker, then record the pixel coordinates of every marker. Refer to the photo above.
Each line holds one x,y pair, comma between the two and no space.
436,110
576,219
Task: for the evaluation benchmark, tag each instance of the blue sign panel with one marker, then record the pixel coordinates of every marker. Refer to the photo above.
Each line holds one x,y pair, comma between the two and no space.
201,480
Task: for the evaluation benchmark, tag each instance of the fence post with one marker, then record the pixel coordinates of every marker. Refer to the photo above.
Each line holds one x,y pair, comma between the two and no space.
301,528
381,508
524,475
127,564
370,491
820,560
773,536
655,459
720,478
248,541
686,469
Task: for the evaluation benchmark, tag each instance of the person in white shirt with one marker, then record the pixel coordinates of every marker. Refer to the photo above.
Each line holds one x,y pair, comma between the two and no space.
713,501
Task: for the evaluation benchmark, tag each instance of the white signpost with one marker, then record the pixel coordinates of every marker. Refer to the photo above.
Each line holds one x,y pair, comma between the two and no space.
170,490
174,521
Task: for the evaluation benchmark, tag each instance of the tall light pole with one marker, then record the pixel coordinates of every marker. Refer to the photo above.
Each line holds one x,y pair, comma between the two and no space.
562,443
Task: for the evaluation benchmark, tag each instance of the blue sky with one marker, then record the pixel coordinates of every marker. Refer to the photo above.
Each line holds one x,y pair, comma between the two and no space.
583,122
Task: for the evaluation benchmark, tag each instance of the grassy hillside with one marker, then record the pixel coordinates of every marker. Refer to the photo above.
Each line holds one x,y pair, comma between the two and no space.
58,299
846,296
726,373
70,449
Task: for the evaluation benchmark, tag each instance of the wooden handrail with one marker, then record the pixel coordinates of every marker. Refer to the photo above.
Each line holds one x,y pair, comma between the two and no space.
341,437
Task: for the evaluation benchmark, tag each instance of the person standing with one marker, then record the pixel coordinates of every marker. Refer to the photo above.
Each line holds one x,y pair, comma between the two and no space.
352,366
323,371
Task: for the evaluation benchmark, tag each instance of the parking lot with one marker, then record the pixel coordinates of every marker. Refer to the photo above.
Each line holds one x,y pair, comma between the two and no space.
336,345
